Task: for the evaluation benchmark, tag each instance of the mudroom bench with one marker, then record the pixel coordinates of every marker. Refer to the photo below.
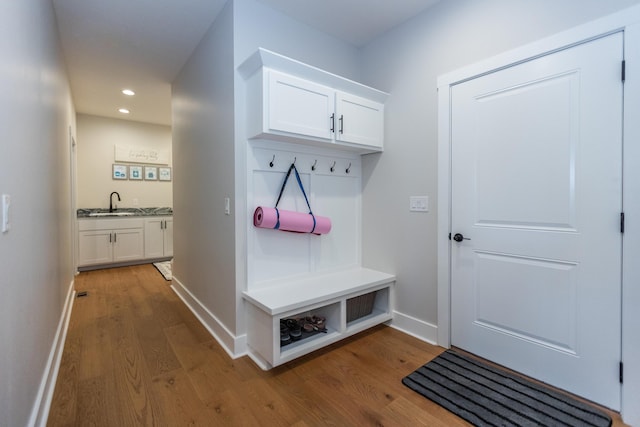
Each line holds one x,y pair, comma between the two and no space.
350,301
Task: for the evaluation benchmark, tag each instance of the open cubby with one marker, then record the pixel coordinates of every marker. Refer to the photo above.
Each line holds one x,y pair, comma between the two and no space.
367,307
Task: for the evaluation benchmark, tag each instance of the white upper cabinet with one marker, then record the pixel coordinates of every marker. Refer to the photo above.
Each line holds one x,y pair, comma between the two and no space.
294,102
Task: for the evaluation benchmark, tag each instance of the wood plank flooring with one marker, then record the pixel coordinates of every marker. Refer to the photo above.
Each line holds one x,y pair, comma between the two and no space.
136,356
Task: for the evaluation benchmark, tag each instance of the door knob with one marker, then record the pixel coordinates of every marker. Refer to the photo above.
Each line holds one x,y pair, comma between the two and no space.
459,237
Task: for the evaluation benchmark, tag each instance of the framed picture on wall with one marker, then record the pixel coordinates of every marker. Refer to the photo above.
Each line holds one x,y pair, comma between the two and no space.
135,172
151,173
164,174
119,171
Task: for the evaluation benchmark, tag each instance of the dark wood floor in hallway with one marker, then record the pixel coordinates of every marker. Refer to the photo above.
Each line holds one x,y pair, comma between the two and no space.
135,355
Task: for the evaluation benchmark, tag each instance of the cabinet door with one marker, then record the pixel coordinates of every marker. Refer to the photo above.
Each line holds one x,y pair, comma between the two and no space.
168,237
128,244
359,120
299,106
153,238
94,247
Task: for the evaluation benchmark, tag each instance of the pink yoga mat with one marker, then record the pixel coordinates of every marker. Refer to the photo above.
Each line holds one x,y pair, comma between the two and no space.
290,221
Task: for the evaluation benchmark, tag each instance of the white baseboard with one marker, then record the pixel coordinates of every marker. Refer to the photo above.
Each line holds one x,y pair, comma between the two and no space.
42,404
258,360
415,327
235,346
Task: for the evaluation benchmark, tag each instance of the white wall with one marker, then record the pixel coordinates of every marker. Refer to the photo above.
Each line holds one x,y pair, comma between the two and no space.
257,25
97,138
203,152
209,149
36,254
406,62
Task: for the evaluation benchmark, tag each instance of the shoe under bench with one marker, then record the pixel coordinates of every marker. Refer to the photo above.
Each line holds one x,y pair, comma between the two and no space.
351,301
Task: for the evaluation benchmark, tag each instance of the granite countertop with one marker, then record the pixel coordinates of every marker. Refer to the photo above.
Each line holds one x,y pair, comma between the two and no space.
122,212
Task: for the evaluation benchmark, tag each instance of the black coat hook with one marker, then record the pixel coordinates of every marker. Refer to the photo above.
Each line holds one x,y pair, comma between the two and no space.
333,167
272,160
313,167
348,168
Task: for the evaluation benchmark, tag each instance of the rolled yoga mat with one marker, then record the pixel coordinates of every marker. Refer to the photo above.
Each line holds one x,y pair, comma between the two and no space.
290,221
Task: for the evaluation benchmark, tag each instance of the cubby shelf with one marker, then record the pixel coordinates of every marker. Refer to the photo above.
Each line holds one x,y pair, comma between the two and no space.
324,295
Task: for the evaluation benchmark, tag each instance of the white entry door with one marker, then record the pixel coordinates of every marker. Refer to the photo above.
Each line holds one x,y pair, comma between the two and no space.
536,199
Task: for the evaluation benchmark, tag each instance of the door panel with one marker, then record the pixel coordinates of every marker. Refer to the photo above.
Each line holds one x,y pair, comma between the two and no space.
299,106
541,283
537,190
128,245
153,238
168,237
94,247
520,193
359,120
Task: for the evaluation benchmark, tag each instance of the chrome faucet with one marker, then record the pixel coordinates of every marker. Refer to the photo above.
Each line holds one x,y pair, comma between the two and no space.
111,200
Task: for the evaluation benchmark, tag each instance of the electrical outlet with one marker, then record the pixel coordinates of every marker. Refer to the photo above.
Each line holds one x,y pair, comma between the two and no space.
419,204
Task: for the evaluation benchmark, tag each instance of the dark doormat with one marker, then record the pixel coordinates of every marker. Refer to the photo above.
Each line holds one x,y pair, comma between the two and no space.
487,396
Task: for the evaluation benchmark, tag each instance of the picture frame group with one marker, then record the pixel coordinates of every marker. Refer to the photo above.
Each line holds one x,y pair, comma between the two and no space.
141,172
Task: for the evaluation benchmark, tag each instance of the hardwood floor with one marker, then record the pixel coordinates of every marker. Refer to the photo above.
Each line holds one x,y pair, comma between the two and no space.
135,355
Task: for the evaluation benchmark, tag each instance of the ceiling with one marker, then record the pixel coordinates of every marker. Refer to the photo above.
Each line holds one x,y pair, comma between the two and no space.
142,44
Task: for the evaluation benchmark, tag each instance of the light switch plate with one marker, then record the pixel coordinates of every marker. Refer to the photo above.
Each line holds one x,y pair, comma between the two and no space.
419,204
6,203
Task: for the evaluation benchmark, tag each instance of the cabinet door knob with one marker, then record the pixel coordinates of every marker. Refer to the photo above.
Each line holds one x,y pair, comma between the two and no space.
333,122
341,123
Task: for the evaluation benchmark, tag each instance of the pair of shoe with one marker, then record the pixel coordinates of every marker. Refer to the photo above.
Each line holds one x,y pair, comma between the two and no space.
285,338
314,323
290,330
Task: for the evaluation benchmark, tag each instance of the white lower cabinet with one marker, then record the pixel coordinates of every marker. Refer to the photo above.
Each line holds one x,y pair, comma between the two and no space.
158,237
106,241
349,301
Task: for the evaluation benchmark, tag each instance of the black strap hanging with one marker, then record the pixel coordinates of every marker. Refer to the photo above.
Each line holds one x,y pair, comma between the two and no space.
284,184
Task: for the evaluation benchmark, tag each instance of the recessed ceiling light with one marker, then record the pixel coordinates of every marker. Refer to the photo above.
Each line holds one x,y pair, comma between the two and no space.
128,92
124,111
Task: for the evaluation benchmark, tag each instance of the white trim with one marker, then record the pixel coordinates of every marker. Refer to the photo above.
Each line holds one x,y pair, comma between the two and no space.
444,217
631,240
415,327
594,29
258,360
235,346
42,404
626,20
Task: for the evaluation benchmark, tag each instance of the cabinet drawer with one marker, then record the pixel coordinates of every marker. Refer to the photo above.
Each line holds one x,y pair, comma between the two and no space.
109,224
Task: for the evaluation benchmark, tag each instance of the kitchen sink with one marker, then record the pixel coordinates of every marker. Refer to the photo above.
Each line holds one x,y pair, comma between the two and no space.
111,214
